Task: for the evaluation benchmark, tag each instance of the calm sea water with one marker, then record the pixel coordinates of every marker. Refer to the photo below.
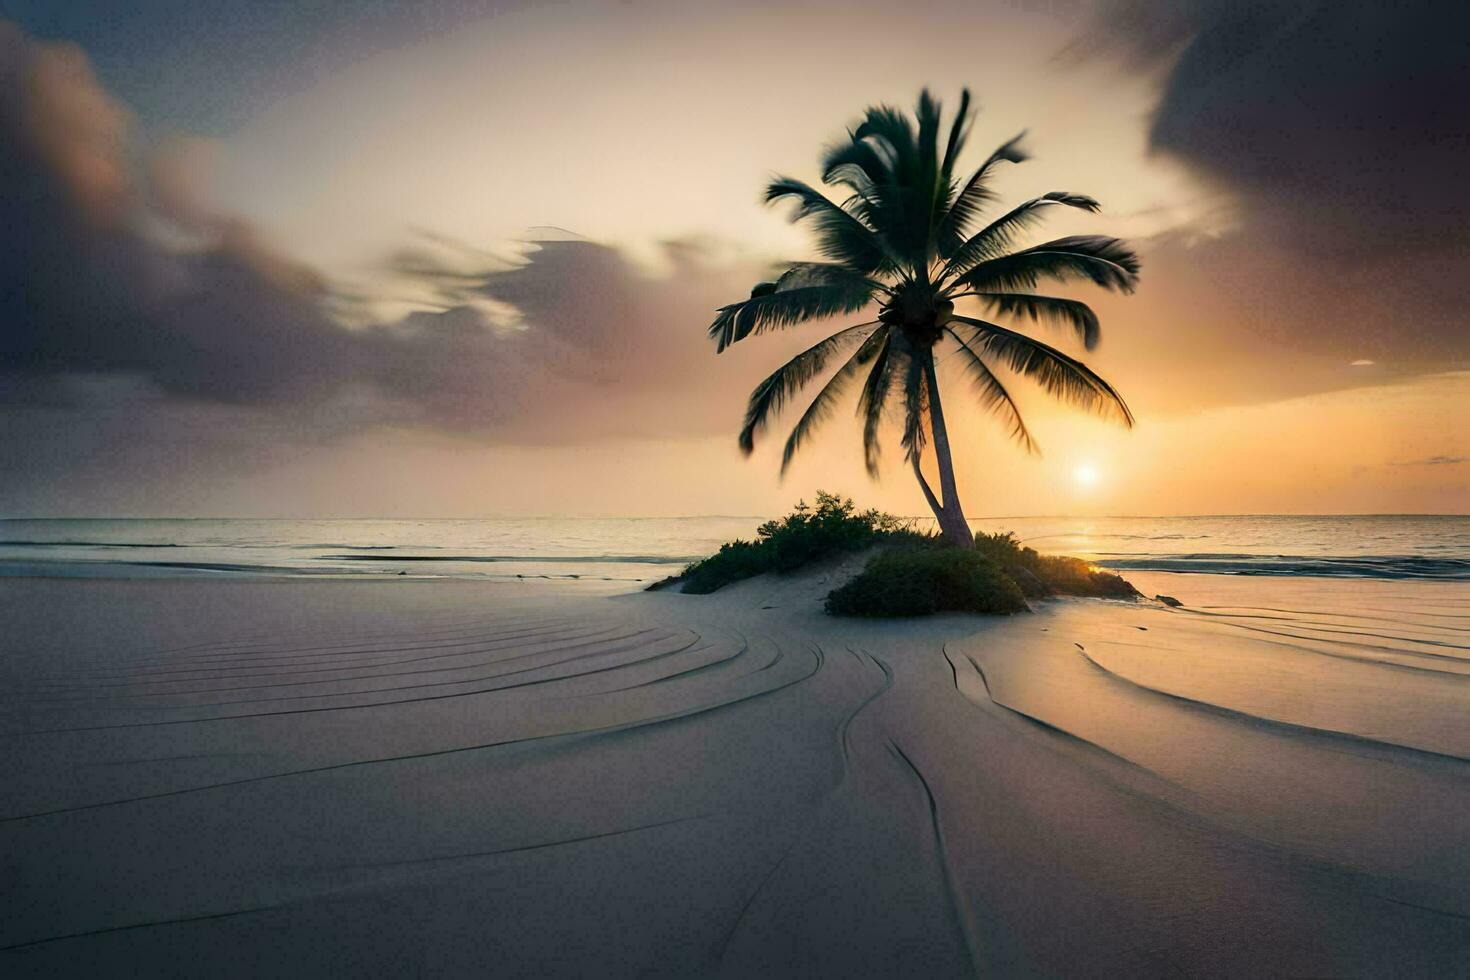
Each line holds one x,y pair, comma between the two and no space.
624,552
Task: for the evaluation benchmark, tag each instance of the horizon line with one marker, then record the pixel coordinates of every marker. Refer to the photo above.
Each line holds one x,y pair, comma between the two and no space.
733,517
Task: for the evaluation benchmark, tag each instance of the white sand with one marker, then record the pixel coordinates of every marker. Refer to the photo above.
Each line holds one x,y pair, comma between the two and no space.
291,778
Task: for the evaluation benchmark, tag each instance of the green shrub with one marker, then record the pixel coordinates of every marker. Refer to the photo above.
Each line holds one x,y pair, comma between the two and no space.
921,581
1073,576
808,534
734,561
996,577
1041,575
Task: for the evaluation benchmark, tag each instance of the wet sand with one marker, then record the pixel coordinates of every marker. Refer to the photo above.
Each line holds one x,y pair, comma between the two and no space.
292,778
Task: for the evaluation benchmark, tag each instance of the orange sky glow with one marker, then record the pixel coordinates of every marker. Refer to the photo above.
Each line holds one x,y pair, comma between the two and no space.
636,126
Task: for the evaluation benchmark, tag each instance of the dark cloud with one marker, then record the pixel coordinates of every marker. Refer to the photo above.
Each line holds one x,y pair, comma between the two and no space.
87,290
603,348
1346,112
84,291
150,347
1341,131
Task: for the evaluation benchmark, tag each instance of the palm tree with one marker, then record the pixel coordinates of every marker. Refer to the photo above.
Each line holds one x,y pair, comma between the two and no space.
905,238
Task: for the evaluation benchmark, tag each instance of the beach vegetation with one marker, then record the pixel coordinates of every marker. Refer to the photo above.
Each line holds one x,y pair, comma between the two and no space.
924,581
810,533
913,571
1039,576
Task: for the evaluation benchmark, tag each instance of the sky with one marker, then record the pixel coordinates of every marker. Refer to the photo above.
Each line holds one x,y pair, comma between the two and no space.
345,259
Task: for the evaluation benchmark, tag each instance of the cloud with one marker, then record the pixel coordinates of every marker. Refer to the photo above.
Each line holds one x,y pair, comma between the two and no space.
84,291
138,279
1342,110
602,347
1338,131
155,353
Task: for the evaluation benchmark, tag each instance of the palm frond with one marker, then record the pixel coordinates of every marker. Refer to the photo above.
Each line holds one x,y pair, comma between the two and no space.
800,274
821,407
993,395
906,221
892,135
959,131
873,400
916,408
926,114
768,397
770,307
997,236
1107,262
841,236
857,164
1061,376
974,195
1068,312
891,170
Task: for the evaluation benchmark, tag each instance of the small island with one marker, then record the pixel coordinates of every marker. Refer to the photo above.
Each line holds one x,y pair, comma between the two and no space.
907,572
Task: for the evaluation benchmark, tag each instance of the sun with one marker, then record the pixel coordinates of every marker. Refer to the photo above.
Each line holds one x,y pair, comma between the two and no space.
1086,475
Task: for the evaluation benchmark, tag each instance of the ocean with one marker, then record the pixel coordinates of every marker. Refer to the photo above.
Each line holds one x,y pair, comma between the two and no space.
627,553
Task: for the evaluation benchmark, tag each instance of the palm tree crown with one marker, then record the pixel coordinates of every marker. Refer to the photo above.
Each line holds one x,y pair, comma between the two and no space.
906,237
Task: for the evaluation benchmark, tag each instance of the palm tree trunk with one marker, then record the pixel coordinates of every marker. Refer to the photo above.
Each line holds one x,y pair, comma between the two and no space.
951,515
934,504
947,526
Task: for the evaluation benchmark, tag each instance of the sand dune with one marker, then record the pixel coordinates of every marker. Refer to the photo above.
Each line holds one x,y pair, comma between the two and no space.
253,778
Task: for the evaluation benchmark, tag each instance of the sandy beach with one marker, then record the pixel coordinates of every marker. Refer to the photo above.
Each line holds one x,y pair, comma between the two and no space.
295,778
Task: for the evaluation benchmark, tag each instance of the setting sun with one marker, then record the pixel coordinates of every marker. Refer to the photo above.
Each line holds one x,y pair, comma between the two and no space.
1086,475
